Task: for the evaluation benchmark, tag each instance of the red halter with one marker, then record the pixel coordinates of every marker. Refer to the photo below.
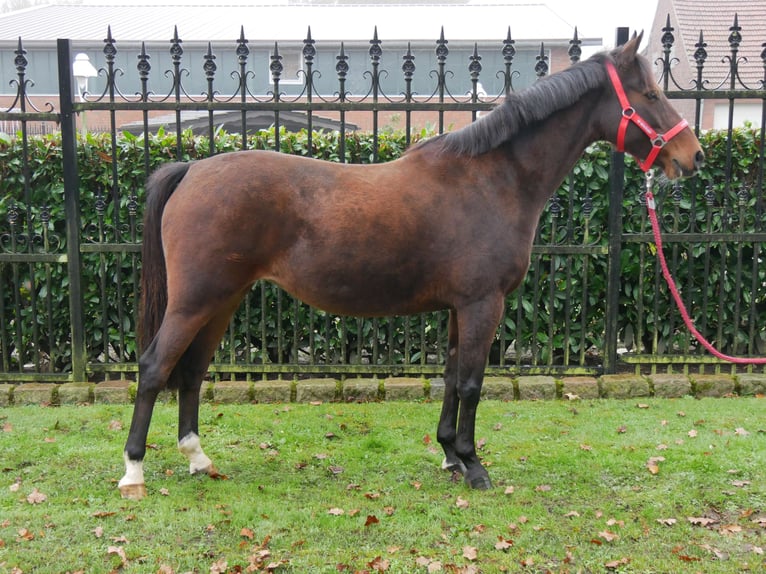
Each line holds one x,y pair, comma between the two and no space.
629,114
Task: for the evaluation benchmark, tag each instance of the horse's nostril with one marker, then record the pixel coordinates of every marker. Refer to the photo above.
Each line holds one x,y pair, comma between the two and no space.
699,158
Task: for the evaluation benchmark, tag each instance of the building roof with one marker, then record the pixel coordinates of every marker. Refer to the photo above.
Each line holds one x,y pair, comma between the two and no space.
715,18
288,20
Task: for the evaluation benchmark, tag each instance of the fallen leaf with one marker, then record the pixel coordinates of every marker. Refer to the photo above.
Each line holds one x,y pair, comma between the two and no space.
164,492
119,551
642,406
692,433
509,489
36,497
371,519
7,427
653,464
470,553
434,566
98,532
462,502
608,536
740,483
543,488
622,429
615,564
247,533
667,521
336,511
572,514
586,447
503,543
115,425
729,529
379,564
25,534
571,397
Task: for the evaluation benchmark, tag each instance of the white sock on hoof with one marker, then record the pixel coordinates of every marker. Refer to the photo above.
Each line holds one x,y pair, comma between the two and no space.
134,472
190,447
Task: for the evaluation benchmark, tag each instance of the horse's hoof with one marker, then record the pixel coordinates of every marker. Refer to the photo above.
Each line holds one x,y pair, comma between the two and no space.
454,466
133,491
479,482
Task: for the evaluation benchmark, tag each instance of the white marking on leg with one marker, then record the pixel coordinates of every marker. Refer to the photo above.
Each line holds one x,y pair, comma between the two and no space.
134,472
190,447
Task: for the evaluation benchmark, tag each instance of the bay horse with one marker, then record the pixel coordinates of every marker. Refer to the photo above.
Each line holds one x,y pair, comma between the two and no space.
449,225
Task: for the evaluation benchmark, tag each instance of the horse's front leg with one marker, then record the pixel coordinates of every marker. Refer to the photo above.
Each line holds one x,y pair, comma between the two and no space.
447,430
477,324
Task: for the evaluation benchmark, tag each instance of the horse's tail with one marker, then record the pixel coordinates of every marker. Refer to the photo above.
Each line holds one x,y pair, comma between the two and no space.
154,292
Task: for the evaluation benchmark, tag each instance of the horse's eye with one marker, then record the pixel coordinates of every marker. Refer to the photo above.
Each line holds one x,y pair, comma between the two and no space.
652,96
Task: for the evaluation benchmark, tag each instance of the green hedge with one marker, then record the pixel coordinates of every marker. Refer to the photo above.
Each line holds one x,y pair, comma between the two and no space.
557,315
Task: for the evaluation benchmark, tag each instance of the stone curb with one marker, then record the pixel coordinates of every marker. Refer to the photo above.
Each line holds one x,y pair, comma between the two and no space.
399,389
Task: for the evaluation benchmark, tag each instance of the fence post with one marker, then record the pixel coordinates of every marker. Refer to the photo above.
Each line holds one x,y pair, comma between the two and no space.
616,184
71,207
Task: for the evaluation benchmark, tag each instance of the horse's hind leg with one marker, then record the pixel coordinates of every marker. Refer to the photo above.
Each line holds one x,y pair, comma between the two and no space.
447,430
156,366
193,366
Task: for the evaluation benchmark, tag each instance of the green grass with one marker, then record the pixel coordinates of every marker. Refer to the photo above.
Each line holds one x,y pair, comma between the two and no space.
582,498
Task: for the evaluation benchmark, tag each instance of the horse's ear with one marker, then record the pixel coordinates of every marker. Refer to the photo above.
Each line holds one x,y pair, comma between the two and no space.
630,49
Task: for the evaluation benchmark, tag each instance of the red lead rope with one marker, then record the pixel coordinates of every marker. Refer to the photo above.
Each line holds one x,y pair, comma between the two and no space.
652,210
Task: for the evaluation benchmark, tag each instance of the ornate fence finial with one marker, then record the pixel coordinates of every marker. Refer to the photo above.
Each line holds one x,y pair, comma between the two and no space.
541,68
276,66
110,50
341,66
667,36
375,50
242,50
509,51
442,51
474,68
735,37
309,50
408,67
575,51
176,51
143,66
700,54
209,66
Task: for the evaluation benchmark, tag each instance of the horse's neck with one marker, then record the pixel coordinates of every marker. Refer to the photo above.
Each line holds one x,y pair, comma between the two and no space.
544,154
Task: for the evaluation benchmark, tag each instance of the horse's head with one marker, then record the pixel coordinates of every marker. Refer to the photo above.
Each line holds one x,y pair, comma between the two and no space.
641,121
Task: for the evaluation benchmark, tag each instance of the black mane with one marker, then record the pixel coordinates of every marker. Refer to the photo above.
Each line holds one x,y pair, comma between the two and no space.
545,97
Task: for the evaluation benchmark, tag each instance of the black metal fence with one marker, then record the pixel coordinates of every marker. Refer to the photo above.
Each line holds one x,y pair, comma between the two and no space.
593,300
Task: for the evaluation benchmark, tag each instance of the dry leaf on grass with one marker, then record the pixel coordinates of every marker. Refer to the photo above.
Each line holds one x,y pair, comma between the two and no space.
36,497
